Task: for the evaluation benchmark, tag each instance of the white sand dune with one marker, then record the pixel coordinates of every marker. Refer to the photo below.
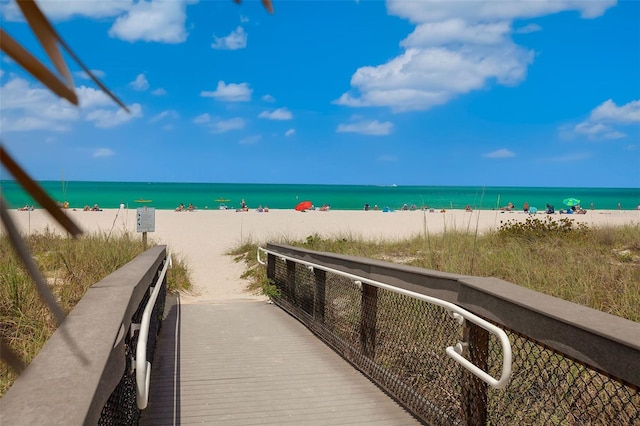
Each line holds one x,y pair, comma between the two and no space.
203,237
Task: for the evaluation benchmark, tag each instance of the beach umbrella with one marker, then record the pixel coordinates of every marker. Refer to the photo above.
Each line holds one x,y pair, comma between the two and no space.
304,205
570,202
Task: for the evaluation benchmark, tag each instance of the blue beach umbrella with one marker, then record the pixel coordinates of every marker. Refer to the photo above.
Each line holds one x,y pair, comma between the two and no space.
570,202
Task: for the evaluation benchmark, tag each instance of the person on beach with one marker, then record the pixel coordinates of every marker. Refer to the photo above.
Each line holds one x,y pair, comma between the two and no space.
508,207
191,207
180,207
468,208
525,207
366,207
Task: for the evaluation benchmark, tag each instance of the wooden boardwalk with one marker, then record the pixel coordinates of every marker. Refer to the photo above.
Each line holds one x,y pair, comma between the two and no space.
250,363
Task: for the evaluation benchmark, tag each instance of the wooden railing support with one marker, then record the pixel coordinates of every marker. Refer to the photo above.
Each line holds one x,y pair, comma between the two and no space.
474,390
319,295
368,316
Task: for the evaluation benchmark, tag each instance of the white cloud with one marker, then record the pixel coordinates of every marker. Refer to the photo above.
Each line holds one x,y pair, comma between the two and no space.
480,11
455,48
26,124
374,128
103,152
527,29
250,140
223,126
88,97
457,31
500,153
234,41
219,125
608,111
59,10
170,113
597,131
600,123
140,83
290,132
27,107
232,92
203,118
268,98
158,21
278,114
107,118
159,92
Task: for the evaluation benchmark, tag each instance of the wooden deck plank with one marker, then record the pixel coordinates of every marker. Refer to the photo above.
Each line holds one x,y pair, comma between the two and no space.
250,363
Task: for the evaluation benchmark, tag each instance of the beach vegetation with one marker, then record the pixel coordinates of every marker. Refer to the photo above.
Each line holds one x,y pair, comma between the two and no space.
256,275
598,267
70,266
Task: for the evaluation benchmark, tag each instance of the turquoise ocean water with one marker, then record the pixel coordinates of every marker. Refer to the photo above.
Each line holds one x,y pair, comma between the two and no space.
342,197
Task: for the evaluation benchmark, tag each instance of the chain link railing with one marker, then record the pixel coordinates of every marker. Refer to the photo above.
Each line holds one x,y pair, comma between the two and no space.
94,382
121,407
399,342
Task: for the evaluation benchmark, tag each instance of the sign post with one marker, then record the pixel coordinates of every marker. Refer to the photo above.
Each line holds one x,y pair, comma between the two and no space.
146,220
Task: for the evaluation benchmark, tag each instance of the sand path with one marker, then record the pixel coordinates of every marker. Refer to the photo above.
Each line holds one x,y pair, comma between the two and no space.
203,238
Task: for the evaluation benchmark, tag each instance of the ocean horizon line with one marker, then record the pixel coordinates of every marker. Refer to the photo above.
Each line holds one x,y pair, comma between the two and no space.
169,195
412,185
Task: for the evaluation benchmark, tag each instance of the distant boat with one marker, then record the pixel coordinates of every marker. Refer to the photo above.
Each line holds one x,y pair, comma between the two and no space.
142,201
393,185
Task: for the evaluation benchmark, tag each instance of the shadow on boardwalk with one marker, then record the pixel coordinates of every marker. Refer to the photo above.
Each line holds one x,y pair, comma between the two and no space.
249,363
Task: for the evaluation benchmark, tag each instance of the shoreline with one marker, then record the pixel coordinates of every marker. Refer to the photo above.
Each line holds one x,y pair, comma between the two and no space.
202,238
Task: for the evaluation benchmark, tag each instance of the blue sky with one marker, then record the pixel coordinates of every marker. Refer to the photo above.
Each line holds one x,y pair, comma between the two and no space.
496,93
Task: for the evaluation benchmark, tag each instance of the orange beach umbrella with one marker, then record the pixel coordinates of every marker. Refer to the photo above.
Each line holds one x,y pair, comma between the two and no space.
304,205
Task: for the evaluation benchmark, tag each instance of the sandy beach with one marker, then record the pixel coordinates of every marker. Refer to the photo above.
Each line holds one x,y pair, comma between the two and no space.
203,237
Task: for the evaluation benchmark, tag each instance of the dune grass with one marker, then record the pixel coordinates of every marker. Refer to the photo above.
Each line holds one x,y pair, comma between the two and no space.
71,267
594,267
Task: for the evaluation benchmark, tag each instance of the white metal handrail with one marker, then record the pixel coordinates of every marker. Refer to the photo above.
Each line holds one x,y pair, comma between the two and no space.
456,312
143,367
